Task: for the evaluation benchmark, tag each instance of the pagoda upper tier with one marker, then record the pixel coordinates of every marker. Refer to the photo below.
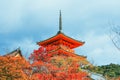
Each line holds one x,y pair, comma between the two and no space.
61,39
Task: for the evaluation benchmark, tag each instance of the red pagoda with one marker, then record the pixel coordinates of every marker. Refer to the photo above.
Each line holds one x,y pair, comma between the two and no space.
60,44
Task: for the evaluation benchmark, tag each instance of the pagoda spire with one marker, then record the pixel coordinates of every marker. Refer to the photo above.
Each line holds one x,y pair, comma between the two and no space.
60,22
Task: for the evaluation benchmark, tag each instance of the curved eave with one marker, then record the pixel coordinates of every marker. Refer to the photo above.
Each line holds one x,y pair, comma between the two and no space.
67,53
62,36
15,53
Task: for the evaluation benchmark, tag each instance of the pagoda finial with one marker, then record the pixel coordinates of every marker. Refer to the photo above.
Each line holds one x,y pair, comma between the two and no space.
60,22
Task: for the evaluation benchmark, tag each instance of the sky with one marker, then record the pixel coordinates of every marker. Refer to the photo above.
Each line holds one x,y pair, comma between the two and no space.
25,22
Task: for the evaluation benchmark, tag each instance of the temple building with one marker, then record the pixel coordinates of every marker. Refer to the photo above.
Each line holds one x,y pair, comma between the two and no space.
61,44
15,53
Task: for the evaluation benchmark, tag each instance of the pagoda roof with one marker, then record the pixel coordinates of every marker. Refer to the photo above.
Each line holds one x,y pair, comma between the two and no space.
61,36
15,53
67,53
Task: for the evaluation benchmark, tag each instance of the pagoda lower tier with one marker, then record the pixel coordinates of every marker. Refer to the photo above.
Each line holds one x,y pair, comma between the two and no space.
61,50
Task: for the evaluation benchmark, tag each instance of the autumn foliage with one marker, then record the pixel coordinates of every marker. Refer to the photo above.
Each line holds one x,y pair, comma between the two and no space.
13,68
57,67
41,66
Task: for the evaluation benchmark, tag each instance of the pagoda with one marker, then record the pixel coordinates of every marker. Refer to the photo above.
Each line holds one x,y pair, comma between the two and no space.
61,44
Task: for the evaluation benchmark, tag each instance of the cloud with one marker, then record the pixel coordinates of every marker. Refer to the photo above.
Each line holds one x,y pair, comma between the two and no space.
16,15
100,49
78,11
